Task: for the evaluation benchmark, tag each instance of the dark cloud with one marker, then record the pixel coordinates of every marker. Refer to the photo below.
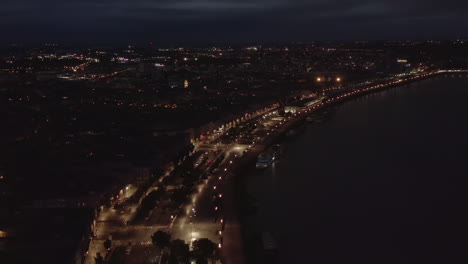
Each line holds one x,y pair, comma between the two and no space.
193,21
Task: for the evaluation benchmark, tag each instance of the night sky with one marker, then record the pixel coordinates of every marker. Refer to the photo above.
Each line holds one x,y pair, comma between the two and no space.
233,21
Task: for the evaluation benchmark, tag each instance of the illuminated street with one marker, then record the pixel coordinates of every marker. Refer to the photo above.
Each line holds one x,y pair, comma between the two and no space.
201,218
233,132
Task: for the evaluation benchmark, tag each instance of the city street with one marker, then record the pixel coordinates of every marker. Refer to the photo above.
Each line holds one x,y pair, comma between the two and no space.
213,210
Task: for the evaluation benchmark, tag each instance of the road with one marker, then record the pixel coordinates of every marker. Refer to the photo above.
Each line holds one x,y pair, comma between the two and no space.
204,219
213,210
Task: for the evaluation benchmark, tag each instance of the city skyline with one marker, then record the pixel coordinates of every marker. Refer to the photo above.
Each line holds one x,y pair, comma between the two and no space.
233,132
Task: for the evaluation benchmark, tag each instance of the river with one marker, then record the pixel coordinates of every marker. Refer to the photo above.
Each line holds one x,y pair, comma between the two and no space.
383,180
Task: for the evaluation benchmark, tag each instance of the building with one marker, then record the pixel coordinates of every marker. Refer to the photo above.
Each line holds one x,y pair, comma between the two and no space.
302,104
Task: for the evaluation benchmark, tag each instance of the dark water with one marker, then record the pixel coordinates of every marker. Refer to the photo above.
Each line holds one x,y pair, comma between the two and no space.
382,181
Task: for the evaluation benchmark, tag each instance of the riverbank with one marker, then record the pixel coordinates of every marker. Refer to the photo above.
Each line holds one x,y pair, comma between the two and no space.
252,240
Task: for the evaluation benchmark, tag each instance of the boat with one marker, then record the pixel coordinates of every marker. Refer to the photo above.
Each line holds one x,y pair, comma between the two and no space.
264,160
268,157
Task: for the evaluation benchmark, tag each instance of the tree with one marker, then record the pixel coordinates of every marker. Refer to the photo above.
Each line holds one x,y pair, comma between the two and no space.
180,252
107,244
201,260
99,259
150,201
179,195
161,239
204,247
281,112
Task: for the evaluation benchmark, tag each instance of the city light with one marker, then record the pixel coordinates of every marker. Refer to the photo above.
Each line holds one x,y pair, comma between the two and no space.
3,234
164,103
